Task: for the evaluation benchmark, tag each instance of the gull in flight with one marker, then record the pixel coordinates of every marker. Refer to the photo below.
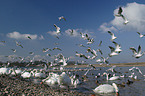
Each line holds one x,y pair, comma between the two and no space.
113,52
71,32
100,43
18,44
14,50
29,37
141,35
46,49
120,15
117,47
61,17
57,48
135,68
112,35
82,55
137,54
57,29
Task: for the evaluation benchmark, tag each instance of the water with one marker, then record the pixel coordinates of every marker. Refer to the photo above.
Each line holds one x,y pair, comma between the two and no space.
135,89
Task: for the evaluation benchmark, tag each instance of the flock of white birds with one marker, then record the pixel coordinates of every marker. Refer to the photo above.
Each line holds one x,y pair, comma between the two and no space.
64,80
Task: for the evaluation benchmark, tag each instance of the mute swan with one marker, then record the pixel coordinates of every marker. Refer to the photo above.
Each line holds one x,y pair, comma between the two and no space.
111,78
5,70
38,73
106,88
52,79
64,79
26,74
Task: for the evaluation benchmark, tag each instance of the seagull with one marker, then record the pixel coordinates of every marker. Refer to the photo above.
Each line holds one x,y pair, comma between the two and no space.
57,48
100,43
31,53
141,35
61,17
57,29
120,15
117,47
18,44
29,37
82,55
71,32
137,54
14,50
46,49
112,35
113,52
80,45
136,68
90,41
103,60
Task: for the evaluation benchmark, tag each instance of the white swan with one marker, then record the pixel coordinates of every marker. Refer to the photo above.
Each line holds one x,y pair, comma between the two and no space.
64,80
4,70
39,73
51,80
25,74
16,72
111,78
106,88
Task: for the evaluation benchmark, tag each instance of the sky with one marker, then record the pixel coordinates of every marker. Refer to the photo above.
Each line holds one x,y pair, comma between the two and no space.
34,18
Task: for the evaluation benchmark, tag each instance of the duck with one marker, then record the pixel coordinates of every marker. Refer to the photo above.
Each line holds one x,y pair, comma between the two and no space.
106,88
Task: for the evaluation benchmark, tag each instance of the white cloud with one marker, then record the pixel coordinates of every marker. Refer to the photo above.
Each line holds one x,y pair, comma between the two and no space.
134,13
41,37
53,33
75,32
17,35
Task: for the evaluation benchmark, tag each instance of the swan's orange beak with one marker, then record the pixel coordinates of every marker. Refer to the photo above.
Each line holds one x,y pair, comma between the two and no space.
93,95
41,82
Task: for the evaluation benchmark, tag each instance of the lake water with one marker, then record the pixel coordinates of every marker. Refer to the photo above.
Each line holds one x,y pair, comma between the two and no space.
137,88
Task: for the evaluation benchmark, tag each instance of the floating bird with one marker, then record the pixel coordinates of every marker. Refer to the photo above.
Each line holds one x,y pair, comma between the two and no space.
141,35
51,80
135,68
62,17
112,35
137,54
64,80
106,88
57,29
121,15
111,78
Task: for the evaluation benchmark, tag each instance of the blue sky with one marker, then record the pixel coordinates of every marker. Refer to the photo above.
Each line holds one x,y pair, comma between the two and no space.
20,18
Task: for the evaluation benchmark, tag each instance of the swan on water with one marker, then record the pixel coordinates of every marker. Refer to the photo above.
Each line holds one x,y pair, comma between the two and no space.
106,88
